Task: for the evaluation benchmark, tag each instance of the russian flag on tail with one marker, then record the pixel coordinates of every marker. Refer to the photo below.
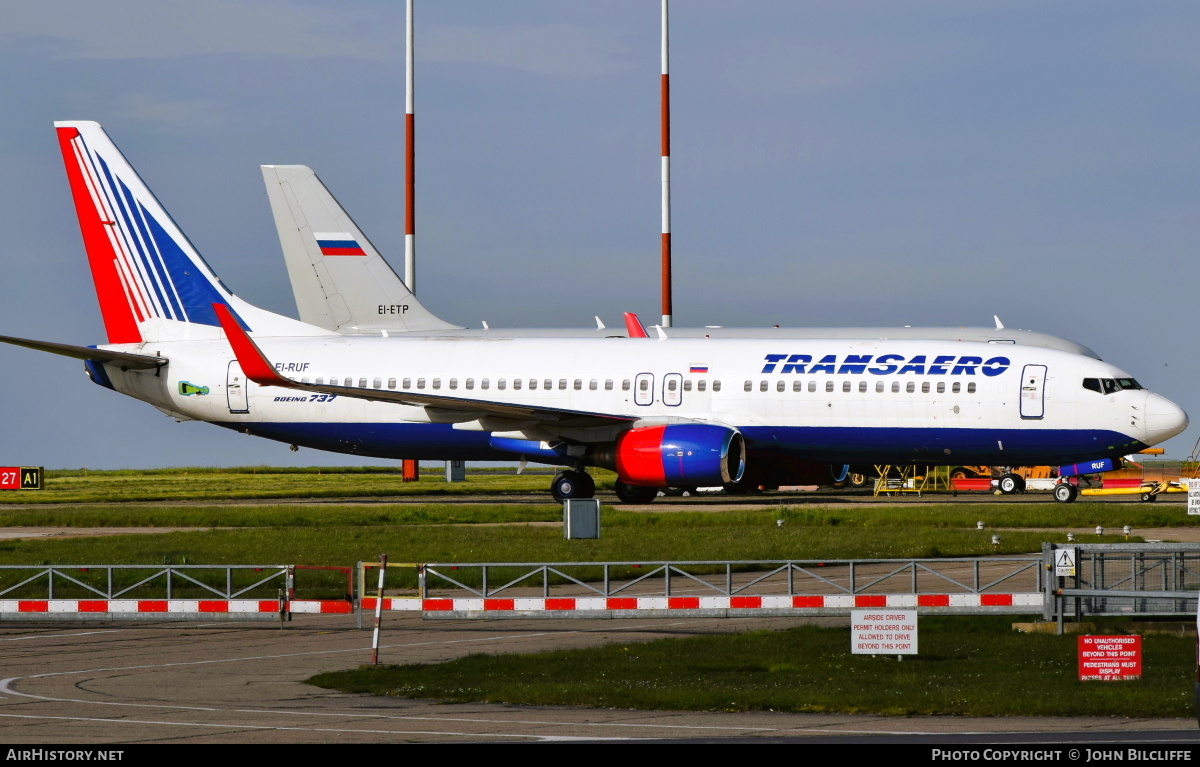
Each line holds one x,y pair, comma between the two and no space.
338,244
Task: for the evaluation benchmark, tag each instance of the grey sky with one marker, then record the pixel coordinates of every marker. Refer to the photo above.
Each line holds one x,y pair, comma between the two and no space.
834,163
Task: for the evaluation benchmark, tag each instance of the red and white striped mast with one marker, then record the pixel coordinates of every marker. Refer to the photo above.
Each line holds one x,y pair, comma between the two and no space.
411,469
666,177
410,243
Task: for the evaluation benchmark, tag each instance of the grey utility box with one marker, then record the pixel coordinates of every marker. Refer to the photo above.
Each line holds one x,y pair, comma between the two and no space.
581,518
456,471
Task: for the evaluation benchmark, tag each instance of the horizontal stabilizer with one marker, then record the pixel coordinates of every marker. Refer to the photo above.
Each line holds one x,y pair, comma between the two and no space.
126,360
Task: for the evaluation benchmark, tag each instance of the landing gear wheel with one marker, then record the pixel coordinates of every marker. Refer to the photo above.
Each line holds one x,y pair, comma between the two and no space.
572,484
1149,497
1012,483
857,480
1065,492
672,491
635,493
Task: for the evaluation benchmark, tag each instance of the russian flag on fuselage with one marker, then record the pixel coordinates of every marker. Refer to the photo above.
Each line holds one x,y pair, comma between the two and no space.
338,244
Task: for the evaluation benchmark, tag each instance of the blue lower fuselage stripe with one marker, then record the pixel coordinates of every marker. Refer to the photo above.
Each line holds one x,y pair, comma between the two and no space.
834,445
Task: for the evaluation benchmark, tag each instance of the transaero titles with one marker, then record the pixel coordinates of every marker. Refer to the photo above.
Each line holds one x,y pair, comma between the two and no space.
885,364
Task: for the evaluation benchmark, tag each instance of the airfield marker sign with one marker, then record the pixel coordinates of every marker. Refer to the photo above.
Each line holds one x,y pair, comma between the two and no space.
1194,497
21,477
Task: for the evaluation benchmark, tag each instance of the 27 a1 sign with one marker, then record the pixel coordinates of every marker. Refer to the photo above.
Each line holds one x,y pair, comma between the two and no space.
21,477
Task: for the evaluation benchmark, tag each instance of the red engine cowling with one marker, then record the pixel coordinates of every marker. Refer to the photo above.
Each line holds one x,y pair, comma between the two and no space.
680,454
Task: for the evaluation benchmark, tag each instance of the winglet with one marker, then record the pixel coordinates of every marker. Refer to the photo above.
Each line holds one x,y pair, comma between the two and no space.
599,323
999,324
634,326
254,363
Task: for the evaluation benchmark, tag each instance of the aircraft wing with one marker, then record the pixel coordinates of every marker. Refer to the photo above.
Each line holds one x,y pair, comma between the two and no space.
127,360
259,369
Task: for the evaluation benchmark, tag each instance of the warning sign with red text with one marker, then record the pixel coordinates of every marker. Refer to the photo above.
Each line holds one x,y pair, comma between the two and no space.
1110,658
883,632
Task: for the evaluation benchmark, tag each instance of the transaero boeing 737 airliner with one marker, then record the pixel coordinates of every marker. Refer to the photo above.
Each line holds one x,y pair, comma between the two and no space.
679,412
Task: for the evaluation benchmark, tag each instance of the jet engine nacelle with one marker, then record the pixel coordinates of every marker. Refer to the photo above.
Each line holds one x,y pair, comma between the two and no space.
680,454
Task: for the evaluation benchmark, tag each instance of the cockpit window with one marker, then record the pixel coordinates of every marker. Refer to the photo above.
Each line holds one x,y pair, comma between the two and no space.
1110,385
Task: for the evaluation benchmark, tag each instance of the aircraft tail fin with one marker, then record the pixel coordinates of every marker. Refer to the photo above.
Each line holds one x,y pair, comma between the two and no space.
151,282
339,279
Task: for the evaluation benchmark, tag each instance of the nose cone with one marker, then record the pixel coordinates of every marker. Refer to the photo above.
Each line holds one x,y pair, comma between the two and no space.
1164,419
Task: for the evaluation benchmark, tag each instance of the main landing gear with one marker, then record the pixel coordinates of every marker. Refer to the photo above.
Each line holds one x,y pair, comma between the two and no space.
635,493
1065,492
572,484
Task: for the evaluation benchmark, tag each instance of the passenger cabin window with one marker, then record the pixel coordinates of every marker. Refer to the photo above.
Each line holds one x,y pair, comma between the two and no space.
320,381
895,387
593,385
562,383
362,383
377,383
453,383
762,385
716,386
879,387
420,383
305,380
956,388
579,384
470,383
485,383
333,382
862,386
532,383
812,385
797,386
846,386
829,386
391,383
547,384
749,386
910,387
971,388
701,385
687,385
924,387
516,384
781,385
500,383
437,383
941,387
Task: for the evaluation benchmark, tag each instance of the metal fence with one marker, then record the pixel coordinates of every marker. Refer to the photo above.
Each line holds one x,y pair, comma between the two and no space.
143,581
1161,579
978,575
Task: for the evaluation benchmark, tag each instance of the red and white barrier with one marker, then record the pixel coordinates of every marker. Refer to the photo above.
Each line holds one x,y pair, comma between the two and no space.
30,607
813,602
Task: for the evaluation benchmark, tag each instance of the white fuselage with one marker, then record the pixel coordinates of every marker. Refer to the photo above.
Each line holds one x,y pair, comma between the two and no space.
821,400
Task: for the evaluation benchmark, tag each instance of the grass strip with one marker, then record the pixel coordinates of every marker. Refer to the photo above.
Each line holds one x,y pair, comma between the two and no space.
968,666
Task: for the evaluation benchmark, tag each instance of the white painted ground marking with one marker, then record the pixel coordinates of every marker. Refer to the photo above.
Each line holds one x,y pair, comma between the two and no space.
56,636
5,688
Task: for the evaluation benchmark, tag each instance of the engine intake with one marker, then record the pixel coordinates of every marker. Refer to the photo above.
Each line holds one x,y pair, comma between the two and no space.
680,454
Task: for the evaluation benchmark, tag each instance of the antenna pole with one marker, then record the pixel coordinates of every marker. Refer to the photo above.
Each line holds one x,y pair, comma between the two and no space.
666,177
410,244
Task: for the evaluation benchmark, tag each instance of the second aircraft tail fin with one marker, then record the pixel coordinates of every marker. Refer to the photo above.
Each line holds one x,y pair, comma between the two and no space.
339,279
